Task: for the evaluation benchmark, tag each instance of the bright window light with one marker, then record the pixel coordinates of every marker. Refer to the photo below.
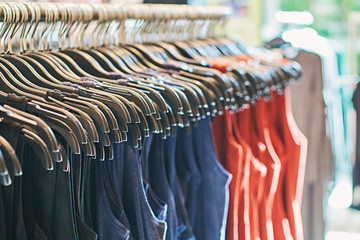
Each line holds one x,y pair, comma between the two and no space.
333,235
341,196
301,37
302,18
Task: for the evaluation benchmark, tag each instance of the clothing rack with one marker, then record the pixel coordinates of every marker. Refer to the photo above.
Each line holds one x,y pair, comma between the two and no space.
143,11
126,122
168,22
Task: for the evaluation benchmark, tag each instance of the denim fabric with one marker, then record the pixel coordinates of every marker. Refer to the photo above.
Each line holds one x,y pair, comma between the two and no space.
48,195
76,180
107,212
13,206
2,215
114,173
33,230
212,195
77,186
87,192
84,232
143,222
115,203
63,206
188,171
157,204
115,170
145,155
12,195
101,212
184,230
152,157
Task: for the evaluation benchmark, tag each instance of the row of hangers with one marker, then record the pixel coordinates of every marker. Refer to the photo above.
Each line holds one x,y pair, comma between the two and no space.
117,74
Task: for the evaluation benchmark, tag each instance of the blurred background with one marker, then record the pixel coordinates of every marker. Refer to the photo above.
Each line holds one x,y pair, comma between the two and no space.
328,29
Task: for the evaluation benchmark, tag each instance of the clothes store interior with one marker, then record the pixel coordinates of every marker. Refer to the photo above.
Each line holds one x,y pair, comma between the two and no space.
179,120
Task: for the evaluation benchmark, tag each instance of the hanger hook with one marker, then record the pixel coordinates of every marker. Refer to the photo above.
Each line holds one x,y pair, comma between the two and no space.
99,25
76,25
33,28
63,21
54,23
87,15
48,25
122,16
29,11
71,22
45,25
109,18
16,21
111,25
143,18
4,26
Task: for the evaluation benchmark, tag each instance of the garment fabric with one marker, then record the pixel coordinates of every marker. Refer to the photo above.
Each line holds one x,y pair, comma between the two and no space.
267,155
258,171
144,224
184,230
153,160
279,217
78,187
224,176
230,154
356,167
224,179
310,117
109,215
212,196
2,217
47,195
267,195
15,224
